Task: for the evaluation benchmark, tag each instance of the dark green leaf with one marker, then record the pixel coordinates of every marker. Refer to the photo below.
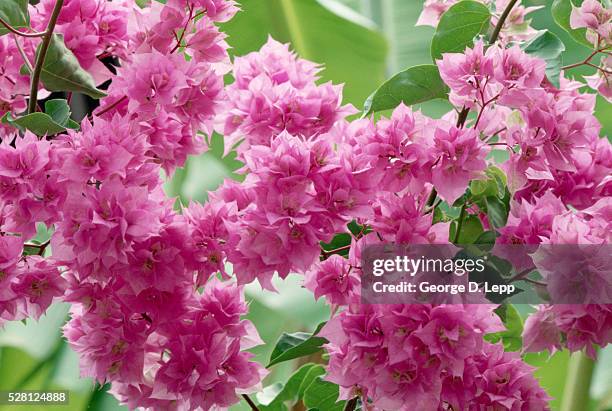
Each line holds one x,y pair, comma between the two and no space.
496,211
289,394
411,86
548,47
15,13
512,336
38,123
471,229
561,11
55,119
310,376
323,395
300,344
62,72
458,26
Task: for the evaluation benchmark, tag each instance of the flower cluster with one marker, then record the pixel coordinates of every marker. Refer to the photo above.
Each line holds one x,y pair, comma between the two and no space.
274,90
157,292
428,358
92,30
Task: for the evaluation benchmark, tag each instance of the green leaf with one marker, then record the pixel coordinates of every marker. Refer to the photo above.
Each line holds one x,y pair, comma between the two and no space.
40,124
61,71
15,13
471,229
288,394
548,47
561,11
493,185
323,395
56,119
458,26
411,86
512,337
496,211
300,344
351,48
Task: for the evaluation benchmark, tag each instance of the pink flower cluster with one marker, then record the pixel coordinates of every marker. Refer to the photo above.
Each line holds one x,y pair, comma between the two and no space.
29,284
170,97
92,30
428,358
274,90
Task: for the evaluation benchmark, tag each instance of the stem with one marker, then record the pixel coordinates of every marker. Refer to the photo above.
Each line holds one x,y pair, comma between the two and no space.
335,250
462,117
578,382
250,402
460,223
23,54
111,106
20,33
502,20
44,47
179,40
351,404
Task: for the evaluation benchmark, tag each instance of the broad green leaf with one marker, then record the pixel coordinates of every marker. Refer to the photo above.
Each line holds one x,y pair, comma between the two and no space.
352,51
15,13
323,395
411,86
38,123
458,26
287,395
312,374
493,185
497,211
61,71
471,229
548,47
300,344
59,111
56,119
561,11
511,338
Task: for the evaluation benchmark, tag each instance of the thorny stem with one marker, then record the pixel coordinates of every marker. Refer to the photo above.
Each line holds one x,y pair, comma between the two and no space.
44,47
20,33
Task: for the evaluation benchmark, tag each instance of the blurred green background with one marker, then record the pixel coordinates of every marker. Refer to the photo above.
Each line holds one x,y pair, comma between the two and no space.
360,43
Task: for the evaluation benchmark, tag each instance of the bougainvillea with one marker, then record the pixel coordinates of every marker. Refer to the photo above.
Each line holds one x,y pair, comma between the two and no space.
157,291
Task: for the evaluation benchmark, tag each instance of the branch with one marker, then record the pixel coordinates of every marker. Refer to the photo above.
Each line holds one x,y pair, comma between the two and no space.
351,405
23,54
44,47
20,33
502,20
250,402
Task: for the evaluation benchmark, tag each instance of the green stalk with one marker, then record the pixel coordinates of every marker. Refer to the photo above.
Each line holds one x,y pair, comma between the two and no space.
44,46
578,382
